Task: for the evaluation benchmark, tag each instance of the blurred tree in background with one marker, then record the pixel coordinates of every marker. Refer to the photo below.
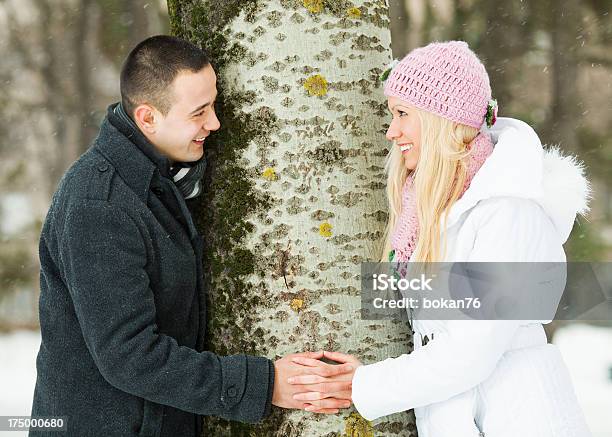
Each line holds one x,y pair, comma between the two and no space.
549,60
59,71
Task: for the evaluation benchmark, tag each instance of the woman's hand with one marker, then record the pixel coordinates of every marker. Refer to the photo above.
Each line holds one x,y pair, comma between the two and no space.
285,368
325,385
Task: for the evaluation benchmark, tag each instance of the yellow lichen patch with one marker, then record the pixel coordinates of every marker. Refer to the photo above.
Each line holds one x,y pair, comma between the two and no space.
353,12
357,426
269,174
325,229
314,6
296,304
316,85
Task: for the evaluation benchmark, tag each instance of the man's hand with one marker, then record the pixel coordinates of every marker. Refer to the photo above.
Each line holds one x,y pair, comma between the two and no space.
286,368
323,384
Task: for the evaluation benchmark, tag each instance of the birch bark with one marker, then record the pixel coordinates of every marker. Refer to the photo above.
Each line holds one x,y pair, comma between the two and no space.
295,196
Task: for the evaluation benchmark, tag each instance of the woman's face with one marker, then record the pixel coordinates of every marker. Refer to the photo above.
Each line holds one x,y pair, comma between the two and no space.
405,131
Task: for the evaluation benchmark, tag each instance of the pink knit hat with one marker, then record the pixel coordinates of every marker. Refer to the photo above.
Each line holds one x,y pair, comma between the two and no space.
445,78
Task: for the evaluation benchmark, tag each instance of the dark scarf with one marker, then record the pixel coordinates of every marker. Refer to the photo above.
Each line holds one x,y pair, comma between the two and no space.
187,176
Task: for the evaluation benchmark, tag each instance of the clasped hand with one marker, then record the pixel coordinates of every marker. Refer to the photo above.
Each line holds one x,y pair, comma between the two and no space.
304,381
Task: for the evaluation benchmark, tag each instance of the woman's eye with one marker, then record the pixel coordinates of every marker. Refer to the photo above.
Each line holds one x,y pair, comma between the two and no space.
401,113
199,114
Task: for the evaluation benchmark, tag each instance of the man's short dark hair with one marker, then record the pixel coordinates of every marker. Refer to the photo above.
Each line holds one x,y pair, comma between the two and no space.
152,66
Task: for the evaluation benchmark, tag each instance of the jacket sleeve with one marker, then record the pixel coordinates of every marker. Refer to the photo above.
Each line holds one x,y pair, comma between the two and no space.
464,356
103,260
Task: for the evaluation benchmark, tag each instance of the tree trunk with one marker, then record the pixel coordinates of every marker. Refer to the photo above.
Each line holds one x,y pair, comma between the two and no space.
566,108
461,15
503,47
294,198
83,102
399,25
417,14
139,11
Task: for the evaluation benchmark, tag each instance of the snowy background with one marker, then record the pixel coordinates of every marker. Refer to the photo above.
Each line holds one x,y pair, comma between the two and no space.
587,350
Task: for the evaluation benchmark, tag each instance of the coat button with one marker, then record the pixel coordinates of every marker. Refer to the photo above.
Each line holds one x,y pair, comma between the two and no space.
103,167
231,392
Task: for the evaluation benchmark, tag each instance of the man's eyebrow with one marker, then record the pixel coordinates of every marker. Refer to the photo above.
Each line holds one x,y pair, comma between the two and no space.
199,108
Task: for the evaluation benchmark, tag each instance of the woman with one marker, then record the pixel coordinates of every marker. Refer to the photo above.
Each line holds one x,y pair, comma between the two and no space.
462,191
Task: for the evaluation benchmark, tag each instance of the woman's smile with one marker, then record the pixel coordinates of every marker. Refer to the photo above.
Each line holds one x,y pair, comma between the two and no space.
405,147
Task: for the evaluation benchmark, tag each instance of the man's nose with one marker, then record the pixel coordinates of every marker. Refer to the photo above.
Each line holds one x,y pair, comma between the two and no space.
212,123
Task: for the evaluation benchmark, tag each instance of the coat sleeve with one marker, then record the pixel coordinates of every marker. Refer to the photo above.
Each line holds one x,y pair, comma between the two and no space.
103,260
464,356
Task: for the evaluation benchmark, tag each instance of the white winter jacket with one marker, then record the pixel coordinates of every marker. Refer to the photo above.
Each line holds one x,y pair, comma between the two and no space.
492,378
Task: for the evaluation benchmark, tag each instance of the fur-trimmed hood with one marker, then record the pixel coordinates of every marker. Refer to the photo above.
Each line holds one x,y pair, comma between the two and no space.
521,167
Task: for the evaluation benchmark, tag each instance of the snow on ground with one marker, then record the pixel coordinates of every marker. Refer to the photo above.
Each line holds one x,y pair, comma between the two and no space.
18,352
587,351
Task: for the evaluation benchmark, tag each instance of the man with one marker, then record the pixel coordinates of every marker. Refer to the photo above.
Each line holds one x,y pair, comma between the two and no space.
122,310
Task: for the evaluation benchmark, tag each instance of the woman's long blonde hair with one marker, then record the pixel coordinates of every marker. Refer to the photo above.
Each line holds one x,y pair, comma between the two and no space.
439,178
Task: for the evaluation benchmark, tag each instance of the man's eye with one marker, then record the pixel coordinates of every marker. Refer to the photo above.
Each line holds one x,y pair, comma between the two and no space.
199,114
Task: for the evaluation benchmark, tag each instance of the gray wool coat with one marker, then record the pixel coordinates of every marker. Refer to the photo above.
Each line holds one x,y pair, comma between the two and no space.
122,305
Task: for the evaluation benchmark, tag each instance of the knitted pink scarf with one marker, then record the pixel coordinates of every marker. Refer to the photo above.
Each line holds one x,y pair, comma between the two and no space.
405,235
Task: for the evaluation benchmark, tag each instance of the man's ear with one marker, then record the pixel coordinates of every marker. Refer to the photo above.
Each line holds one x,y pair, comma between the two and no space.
144,116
